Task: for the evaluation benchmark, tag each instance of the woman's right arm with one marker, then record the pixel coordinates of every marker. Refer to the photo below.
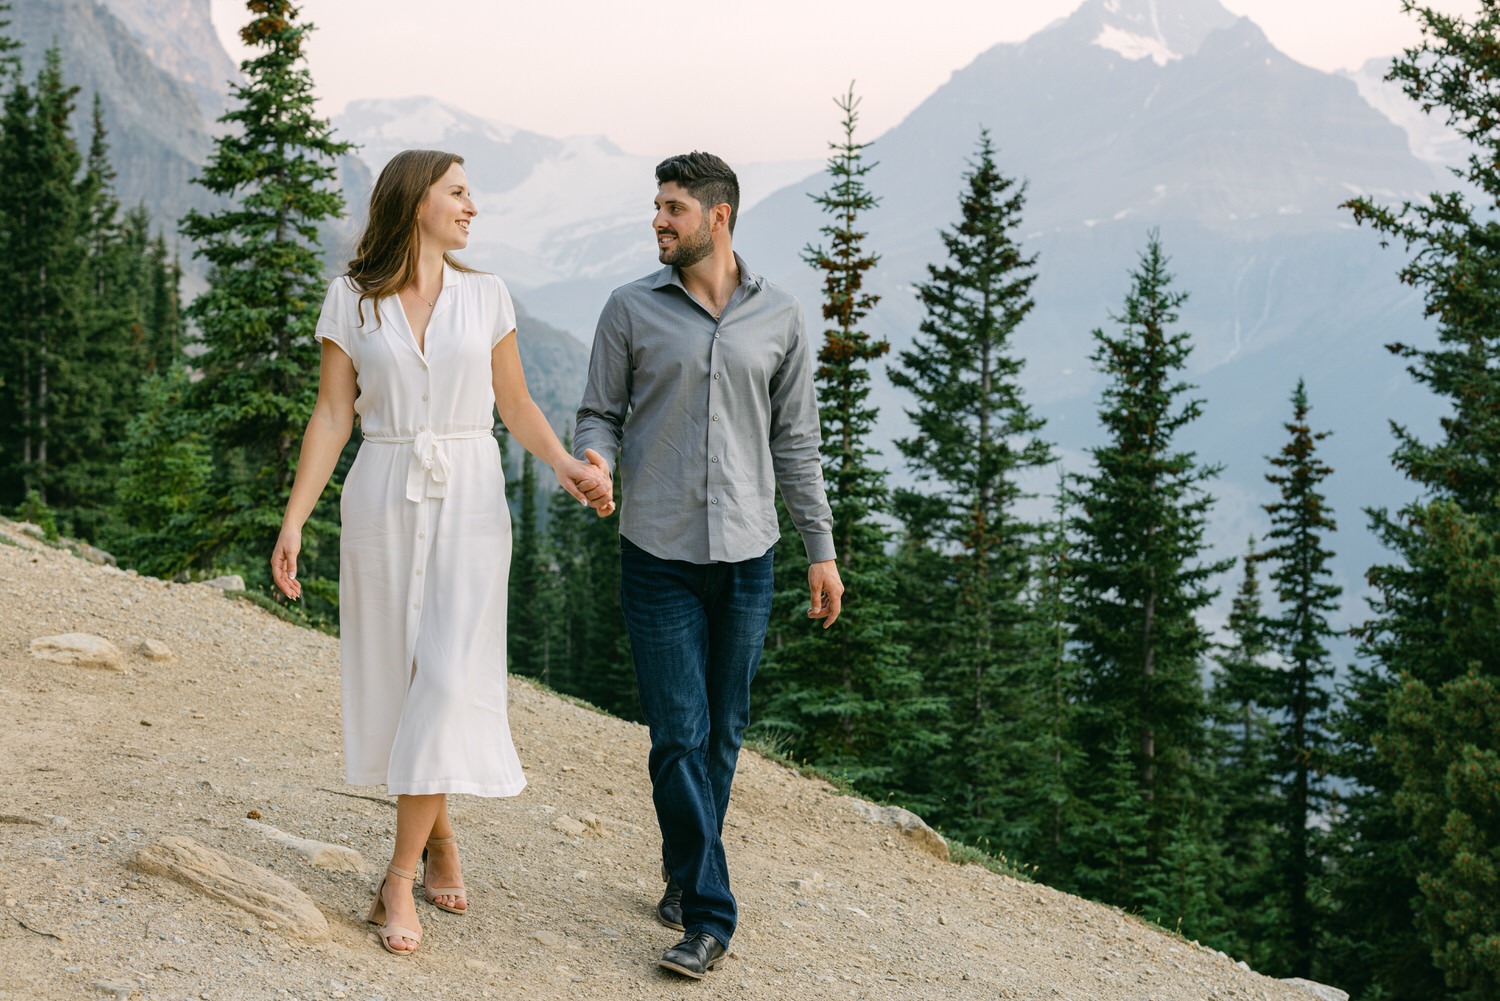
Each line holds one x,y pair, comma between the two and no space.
327,433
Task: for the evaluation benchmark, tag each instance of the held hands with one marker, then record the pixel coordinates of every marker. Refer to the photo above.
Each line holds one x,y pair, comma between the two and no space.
827,592
284,562
589,482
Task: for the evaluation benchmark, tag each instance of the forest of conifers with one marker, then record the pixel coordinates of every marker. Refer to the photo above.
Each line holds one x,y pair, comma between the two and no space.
1043,691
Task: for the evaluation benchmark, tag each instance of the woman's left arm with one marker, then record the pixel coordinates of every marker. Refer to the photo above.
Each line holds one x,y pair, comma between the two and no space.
588,481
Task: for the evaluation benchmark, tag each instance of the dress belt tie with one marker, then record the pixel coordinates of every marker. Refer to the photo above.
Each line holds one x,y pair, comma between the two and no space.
427,476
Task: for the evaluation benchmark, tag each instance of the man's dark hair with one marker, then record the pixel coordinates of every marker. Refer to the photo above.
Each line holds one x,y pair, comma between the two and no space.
706,177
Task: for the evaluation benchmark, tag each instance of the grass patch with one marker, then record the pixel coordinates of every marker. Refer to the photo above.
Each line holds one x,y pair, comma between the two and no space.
285,611
962,854
542,686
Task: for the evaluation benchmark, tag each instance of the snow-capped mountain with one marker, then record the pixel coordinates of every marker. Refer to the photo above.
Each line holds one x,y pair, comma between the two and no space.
551,211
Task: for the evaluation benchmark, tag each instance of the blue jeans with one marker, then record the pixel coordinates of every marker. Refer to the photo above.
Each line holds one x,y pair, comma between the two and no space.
696,634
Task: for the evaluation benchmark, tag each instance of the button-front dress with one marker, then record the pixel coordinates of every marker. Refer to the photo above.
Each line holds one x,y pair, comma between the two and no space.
426,545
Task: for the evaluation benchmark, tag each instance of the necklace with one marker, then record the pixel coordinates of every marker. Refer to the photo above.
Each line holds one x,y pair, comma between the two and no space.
433,303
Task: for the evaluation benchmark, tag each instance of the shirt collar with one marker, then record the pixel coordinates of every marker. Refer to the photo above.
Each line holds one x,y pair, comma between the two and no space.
450,275
671,275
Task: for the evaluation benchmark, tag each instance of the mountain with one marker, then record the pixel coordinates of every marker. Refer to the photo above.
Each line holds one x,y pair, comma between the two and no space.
1430,139
156,127
554,213
1132,115
179,38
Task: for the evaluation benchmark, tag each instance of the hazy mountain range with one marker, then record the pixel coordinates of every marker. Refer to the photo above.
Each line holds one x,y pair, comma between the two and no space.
1125,116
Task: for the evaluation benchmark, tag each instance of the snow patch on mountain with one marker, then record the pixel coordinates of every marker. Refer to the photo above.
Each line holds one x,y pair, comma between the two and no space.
1133,46
1432,140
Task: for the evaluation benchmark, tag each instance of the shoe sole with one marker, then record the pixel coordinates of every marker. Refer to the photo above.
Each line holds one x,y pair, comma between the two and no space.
689,973
668,924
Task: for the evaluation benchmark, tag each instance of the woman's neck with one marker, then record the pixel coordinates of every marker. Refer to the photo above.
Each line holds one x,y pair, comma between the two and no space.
429,276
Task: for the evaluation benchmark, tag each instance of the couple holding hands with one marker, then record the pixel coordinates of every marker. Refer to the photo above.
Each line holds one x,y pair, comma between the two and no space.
712,366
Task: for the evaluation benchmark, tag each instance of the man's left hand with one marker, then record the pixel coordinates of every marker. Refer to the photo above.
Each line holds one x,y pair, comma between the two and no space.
827,592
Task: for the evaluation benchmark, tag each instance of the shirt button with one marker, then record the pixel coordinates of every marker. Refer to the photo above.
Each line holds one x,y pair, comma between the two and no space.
421,427
714,459
716,336
716,416
421,535
714,501
419,573
416,607
716,376
424,397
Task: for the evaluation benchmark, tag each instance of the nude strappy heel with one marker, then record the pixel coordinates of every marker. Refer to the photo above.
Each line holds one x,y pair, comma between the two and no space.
377,915
433,892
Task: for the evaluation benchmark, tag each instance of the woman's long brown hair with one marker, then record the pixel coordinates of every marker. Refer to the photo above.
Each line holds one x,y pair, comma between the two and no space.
386,260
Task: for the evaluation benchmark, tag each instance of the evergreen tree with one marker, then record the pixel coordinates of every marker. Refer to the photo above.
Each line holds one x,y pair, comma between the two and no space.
1242,737
1300,694
1053,681
1398,866
591,644
531,617
10,63
842,693
278,160
164,469
104,384
1138,577
42,220
974,437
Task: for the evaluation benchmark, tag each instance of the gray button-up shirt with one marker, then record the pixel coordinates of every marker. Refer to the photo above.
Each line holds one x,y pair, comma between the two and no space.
703,419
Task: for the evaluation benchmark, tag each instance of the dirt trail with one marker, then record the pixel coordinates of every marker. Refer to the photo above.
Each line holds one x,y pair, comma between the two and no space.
97,764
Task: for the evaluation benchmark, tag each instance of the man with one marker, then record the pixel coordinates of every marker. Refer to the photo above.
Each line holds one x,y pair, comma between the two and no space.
713,366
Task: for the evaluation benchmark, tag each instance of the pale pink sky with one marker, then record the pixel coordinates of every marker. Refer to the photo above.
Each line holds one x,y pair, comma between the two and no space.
749,79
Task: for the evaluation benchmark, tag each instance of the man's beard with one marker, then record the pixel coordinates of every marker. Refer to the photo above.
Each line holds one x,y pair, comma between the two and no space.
688,250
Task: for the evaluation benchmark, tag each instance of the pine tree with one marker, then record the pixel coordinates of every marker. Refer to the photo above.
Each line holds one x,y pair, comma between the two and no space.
278,160
591,644
1300,694
43,298
1398,864
10,63
975,436
1242,738
531,617
841,693
105,382
1138,577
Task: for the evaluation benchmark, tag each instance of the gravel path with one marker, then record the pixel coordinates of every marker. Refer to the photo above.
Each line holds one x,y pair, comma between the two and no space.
244,717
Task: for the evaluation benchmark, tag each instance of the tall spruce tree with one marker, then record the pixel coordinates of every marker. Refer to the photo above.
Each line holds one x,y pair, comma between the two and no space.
532,614
278,161
1242,737
44,296
1300,694
842,694
1138,575
975,436
1413,835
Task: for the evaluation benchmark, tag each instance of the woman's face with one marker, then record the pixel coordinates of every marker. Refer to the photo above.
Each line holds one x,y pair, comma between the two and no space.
444,214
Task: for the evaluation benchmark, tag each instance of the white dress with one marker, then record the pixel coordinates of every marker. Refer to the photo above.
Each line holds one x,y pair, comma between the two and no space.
425,546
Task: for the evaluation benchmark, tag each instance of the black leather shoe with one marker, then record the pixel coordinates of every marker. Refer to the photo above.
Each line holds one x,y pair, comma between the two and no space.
669,911
694,956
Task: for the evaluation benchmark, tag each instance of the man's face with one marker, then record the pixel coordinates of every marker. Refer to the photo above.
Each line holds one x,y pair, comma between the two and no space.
682,227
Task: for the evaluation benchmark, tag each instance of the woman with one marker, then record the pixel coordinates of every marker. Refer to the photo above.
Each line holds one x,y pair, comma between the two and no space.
422,349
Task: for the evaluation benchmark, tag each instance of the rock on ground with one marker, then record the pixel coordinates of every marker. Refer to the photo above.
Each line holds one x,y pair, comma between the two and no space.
81,649
235,881
911,826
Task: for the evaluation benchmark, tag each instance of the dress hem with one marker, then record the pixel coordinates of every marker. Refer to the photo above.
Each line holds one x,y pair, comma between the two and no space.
433,787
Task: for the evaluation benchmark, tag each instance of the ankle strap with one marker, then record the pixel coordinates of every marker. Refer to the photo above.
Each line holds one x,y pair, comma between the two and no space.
440,842
400,873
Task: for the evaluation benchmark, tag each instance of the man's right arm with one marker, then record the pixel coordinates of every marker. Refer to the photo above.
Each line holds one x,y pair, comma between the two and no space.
606,397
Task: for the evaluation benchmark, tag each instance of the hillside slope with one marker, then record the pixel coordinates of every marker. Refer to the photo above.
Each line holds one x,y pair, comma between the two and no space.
96,764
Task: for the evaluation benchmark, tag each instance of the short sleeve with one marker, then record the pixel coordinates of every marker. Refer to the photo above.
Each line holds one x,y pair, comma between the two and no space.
505,315
338,321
